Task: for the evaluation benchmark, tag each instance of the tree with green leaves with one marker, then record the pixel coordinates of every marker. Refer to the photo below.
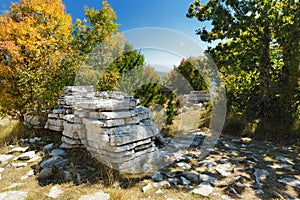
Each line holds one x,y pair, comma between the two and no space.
258,56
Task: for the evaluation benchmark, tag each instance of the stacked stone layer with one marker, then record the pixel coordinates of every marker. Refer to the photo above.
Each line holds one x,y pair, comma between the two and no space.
112,126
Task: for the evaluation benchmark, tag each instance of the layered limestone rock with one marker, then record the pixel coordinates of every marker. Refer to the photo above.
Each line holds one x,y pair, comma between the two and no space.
112,126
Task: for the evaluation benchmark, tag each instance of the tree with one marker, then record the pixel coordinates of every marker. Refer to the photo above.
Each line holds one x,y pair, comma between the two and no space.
98,44
34,39
256,58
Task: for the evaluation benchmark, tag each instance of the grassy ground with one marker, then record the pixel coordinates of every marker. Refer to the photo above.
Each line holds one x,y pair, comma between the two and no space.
101,178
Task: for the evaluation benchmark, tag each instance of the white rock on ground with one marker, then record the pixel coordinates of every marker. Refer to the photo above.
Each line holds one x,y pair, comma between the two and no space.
5,158
28,174
19,164
18,149
204,189
54,192
26,156
147,187
13,195
290,181
184,165
96,196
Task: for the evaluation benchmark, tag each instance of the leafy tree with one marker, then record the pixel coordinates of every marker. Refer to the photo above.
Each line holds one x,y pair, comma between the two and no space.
258,56
97,44
34,39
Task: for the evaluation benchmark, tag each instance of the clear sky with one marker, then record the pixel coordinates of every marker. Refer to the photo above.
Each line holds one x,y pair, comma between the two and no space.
169,14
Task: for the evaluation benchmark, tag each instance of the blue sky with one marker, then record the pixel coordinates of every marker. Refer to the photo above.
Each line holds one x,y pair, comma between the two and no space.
168,14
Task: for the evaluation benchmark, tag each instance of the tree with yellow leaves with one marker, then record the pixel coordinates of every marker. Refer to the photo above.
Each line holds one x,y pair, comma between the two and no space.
34,41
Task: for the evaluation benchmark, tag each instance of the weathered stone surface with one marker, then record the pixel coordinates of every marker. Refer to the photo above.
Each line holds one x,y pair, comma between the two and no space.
147,187
18,149
19,164
157,176
73,130
260,176
54,192
26,156
46,173
224,169
207,178
109,124
290,181
5,158
204,189
48,147
28,174
51,161
58,152
13,195
70,141
184,165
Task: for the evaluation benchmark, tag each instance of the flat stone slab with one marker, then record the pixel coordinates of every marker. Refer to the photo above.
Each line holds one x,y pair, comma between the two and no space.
54,192
18,149
204,189
290,181
13,195
5,158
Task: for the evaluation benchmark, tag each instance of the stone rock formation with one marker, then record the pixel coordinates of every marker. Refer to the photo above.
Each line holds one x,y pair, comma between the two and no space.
112,126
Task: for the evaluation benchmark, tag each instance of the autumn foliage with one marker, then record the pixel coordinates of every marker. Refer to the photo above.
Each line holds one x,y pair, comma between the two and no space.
34,38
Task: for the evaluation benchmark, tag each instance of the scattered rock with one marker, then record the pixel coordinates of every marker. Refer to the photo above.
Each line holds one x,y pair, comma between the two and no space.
280,166
26,156
172,181
48,147
96,196
68,176
284,160
78,179
185,181
207,178
192,175
54,192
45,173
18,149
236,140
184,165
259,191
19,164
159,191
147,187
5,158
157,176
224,169
13,195
51,161
290,181
1,169
260,176
208,163
58,152
204,189
28,174
35,139
223,161
162,184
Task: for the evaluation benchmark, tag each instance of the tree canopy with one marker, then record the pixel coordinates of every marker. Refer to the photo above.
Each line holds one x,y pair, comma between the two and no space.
258,56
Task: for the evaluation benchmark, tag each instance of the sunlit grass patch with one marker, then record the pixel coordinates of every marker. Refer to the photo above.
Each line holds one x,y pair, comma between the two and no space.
11,131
